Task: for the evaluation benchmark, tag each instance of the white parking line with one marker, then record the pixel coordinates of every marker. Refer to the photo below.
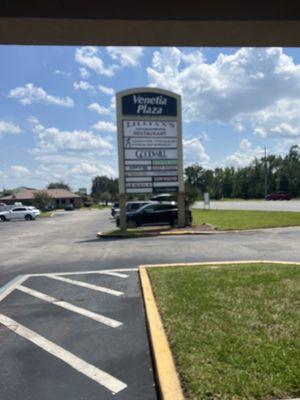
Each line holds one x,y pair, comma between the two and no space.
87,285
97,271
118,274
68,306
11,286
89,370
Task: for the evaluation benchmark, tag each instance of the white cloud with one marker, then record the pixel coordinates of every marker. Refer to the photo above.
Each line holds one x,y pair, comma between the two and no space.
125,55
29,94
85,168
63,73
105,126
19,171
194,151
106,90
88,56
256,86
244,155
8,127
53,139
279,121
84,73
99,109
83,85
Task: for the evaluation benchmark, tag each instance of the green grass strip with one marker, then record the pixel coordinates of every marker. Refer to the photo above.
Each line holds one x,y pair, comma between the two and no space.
234,330
236,219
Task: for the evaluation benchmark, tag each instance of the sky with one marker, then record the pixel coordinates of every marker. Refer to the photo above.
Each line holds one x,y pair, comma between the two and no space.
57,106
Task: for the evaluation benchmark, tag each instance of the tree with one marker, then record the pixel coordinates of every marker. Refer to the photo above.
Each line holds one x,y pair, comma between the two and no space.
59,185
102,184
105,197
191,194
42,200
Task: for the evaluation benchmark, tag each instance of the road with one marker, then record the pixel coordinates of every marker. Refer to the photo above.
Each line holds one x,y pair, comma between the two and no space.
263,205
74,328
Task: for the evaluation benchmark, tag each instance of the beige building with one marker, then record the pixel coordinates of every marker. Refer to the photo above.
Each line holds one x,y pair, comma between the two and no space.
60,197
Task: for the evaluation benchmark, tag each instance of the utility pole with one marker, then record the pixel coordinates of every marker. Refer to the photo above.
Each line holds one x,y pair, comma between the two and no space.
266,173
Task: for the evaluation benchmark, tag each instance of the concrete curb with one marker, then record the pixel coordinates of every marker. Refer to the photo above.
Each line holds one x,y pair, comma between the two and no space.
168,380
163,233
167,377
199,233
203,263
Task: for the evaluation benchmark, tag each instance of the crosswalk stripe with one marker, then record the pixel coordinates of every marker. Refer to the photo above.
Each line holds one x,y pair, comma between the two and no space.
68,306
103,378
87,285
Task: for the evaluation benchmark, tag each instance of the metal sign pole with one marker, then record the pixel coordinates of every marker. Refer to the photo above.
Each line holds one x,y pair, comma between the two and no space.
122,193
181,196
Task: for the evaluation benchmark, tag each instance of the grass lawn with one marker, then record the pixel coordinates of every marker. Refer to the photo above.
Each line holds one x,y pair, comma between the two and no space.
236,219
234,330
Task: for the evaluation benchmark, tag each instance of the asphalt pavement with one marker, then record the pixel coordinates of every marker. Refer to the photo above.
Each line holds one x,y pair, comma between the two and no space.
74,327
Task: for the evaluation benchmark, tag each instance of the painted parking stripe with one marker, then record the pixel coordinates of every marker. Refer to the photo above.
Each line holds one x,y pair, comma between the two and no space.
11,286
103,378
68,306
97,271
87,285
118,274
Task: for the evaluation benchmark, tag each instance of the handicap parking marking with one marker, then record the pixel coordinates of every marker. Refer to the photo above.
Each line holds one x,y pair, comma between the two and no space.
87,285
71,307
103,378
90,349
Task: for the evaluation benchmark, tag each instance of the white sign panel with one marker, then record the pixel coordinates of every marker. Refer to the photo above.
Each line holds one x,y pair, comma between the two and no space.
150,151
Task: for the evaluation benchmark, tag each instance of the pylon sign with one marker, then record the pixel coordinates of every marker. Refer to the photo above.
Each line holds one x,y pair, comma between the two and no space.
149,141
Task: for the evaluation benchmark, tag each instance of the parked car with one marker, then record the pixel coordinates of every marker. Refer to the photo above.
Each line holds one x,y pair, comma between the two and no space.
155,214
115,207
69,207
162,197
132,206
27,213
278,196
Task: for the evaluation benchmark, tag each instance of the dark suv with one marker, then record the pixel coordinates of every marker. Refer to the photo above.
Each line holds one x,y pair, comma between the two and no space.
155,214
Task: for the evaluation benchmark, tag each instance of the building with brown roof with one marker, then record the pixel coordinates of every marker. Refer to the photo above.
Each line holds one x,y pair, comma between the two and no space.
60,197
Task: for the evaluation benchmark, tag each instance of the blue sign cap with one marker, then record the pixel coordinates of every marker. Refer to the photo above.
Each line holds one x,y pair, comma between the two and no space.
149,104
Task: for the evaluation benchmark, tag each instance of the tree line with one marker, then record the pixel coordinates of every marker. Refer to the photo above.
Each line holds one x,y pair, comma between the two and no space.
265,175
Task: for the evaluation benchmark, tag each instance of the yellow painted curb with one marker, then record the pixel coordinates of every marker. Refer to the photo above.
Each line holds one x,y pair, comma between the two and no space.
168,380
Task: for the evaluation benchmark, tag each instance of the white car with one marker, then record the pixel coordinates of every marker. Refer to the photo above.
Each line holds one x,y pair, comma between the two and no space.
21,212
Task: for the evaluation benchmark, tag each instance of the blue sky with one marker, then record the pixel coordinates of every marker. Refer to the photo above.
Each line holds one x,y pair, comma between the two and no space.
57,115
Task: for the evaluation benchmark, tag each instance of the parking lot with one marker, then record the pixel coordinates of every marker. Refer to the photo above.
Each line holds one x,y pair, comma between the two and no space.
75,336
75,328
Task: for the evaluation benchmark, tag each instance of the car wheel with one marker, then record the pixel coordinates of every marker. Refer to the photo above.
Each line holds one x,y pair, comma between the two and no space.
2,218
131,224
28,217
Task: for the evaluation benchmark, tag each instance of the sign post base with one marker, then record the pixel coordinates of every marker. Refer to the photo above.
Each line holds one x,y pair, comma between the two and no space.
181,210
123,220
